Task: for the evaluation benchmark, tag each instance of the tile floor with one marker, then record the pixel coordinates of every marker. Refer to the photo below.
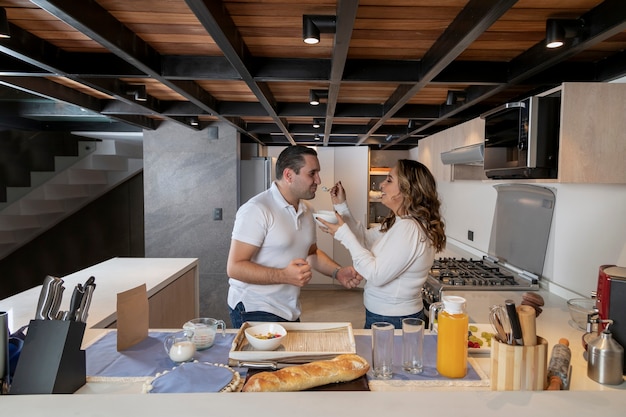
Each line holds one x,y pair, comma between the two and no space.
333,305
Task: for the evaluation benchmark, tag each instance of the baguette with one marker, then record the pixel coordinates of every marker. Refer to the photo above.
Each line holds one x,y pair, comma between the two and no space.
342,368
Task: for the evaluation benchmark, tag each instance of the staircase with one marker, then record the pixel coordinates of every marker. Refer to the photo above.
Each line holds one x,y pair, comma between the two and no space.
54,196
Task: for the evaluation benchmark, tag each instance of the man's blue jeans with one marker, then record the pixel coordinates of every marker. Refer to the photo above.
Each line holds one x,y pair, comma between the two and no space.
239,315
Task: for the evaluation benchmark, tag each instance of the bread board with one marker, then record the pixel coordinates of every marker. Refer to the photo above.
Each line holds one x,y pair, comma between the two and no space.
305,342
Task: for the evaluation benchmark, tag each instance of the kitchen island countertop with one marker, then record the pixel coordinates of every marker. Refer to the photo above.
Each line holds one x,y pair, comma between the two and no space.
124,398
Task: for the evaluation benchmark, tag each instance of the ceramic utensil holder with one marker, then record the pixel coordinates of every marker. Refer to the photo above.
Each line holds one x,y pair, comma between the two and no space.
51,361
519,368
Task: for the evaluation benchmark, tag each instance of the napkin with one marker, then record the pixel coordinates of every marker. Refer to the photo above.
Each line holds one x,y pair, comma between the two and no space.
132,317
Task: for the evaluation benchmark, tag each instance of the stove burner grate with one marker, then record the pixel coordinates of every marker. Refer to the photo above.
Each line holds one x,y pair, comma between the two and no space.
470,272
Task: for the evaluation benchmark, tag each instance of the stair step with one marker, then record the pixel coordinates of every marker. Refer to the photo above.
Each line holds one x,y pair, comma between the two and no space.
105,162
134,166
29,207
14,236
15,193
64,162
18,222
63,191
40,177
84,176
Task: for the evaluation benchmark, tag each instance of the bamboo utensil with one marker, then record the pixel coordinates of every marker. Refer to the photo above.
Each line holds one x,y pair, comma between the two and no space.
527,317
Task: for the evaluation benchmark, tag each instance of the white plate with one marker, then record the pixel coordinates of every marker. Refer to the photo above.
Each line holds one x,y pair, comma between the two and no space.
481,327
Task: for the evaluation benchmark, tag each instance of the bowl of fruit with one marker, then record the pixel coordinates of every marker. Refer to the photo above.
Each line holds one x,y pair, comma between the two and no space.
479,338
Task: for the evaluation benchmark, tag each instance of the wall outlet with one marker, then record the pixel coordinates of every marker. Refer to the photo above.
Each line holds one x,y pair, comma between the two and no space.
217,214
470,235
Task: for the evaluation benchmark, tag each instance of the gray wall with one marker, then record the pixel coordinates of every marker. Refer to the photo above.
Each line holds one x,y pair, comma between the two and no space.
186,176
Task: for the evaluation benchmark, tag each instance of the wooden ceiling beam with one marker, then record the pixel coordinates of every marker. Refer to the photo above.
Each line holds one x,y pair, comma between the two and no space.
345,17
220,26
475,18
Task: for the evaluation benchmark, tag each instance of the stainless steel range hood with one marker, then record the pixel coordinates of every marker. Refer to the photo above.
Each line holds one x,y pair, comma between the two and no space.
465,155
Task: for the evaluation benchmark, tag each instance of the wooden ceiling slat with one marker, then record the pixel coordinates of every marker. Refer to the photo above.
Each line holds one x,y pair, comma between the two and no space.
415,13
167,29
150,17
200,49
155,6
260,8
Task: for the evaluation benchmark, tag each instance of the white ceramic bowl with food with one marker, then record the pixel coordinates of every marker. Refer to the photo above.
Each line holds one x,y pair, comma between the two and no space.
325,215
266,336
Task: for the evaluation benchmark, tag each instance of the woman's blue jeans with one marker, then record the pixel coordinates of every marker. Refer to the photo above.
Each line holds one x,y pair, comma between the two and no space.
371,318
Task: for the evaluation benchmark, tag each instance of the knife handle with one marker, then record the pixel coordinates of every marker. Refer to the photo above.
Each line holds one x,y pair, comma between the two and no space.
45,298
90,281
516,329
85,303
56,301
77,298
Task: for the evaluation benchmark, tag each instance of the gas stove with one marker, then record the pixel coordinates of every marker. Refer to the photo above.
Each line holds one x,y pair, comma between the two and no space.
517,247
473,275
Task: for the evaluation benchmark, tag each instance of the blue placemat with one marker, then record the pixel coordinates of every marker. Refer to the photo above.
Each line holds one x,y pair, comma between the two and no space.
147,357
364,349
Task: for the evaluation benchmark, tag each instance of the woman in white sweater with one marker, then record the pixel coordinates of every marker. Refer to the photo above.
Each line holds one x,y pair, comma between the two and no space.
396,256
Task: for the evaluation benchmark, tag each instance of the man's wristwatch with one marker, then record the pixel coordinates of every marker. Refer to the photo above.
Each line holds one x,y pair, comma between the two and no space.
334,275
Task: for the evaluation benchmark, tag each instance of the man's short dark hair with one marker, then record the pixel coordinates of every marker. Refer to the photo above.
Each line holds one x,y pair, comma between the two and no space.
292,157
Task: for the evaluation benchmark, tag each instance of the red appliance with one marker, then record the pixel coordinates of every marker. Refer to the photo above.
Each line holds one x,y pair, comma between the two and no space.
611,301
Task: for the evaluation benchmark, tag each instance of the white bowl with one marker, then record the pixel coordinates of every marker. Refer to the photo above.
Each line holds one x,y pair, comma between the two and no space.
258,336
325,215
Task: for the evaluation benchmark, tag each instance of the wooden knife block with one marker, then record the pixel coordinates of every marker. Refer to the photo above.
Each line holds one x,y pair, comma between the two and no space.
519,368
51,361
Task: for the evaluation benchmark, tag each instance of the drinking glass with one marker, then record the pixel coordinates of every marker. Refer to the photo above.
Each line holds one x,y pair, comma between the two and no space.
382,350
412,345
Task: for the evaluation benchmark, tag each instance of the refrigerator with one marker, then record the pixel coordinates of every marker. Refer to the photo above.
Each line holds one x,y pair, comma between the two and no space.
255,175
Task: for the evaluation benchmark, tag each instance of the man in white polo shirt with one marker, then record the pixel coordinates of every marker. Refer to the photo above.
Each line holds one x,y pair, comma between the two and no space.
273,248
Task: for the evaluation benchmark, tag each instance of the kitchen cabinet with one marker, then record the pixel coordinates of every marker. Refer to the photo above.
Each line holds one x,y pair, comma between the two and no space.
592,145
591,138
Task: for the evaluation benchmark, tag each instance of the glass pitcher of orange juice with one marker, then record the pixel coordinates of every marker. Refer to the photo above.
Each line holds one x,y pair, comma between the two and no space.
452,326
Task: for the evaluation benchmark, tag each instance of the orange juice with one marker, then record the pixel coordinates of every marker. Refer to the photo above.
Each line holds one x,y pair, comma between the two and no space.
452,344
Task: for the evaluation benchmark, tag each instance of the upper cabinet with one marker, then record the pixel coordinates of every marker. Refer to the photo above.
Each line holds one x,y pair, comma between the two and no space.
592,141
592,146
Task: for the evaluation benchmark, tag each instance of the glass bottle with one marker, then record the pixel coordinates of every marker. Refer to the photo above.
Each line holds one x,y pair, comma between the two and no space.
452,328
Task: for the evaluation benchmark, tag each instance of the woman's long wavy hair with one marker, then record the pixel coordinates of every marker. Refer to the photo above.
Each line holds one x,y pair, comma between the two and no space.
421,201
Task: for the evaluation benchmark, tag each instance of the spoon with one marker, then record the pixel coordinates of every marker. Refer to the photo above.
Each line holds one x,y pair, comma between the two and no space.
325,188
